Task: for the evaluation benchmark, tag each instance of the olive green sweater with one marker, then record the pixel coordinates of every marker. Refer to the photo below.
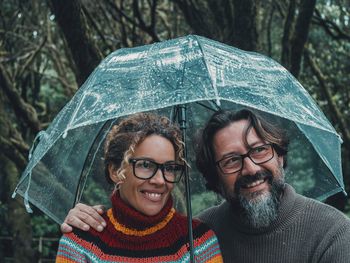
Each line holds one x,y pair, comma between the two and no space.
305,231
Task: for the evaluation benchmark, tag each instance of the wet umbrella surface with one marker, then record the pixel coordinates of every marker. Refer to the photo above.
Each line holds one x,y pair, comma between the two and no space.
201,76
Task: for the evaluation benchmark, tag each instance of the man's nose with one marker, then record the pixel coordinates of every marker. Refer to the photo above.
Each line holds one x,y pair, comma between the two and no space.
249,167
158,178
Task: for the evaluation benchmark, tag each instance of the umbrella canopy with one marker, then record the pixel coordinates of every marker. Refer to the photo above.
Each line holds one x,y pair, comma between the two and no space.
193,71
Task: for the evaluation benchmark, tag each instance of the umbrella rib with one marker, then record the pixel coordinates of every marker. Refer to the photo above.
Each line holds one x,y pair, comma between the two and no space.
81,184
206,66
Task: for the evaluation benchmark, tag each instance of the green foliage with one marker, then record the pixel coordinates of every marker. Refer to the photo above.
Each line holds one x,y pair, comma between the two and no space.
46,232
95,193
42,225
203,201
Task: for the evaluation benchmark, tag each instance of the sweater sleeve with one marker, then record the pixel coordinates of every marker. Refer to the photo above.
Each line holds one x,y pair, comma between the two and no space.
336,248
214,251
207,249
69,251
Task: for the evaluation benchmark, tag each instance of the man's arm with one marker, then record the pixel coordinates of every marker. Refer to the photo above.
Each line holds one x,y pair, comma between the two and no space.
83,217
337,249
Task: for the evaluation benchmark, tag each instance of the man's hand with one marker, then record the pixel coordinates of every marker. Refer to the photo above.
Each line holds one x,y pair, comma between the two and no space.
83,217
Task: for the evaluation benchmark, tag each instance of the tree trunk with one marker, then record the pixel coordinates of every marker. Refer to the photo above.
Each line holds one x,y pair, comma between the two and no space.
232,22
72,22
300,34
287,31
17,220
245,24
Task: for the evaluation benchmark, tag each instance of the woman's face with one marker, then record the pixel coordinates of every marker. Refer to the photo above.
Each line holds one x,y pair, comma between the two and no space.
149,196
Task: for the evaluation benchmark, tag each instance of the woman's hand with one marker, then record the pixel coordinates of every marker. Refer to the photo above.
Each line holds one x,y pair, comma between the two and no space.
83,217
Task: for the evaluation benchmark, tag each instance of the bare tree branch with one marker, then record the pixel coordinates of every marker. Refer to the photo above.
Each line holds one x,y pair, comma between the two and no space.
12,153
277,5
268,31
112,32
124,27
153,15
22,109
142,25
11,142
97,29
322,80
20,145
141,22
61,70
330,27
194,17
30,60
170,27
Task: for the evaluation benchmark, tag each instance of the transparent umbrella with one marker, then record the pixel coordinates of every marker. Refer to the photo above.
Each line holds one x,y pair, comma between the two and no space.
191,76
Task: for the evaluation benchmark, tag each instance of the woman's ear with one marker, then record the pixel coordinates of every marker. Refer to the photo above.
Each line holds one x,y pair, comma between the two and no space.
112,171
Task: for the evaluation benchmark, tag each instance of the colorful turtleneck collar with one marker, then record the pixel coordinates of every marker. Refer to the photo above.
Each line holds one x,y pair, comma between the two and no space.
131,222
133,237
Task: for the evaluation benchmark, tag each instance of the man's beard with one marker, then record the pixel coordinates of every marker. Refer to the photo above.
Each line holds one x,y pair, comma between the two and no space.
257,209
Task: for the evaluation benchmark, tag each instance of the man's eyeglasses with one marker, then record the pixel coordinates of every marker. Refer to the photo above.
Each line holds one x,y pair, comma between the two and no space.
233,163
146,169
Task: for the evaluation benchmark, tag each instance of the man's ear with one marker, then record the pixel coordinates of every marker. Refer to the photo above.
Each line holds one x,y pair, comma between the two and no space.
112,171
280,160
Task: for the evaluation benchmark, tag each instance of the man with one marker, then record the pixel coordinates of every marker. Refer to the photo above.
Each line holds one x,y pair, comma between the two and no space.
243,157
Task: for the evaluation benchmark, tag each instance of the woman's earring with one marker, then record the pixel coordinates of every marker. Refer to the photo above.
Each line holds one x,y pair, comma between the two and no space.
117,185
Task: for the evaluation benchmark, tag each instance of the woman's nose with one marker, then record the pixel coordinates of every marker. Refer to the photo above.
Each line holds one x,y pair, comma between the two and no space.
158,178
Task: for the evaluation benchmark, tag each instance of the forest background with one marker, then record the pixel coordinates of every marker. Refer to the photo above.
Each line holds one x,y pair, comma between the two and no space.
49,48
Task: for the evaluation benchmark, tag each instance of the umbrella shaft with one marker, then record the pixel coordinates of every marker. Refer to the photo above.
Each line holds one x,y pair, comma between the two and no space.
182,123
182,120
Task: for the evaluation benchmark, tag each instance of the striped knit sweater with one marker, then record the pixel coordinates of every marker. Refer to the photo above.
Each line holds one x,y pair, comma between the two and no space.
133,237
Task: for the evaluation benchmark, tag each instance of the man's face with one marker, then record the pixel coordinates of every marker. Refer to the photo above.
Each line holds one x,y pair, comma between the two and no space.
253,182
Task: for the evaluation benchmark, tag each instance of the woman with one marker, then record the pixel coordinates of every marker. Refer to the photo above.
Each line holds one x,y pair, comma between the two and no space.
143,159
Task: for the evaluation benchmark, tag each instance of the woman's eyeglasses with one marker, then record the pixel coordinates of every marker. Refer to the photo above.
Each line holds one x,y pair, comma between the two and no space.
146,169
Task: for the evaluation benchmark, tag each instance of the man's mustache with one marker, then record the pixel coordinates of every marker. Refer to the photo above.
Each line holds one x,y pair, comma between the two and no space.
243,181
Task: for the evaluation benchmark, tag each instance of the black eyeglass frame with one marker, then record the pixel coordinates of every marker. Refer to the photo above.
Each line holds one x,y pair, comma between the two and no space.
160,166
243,156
